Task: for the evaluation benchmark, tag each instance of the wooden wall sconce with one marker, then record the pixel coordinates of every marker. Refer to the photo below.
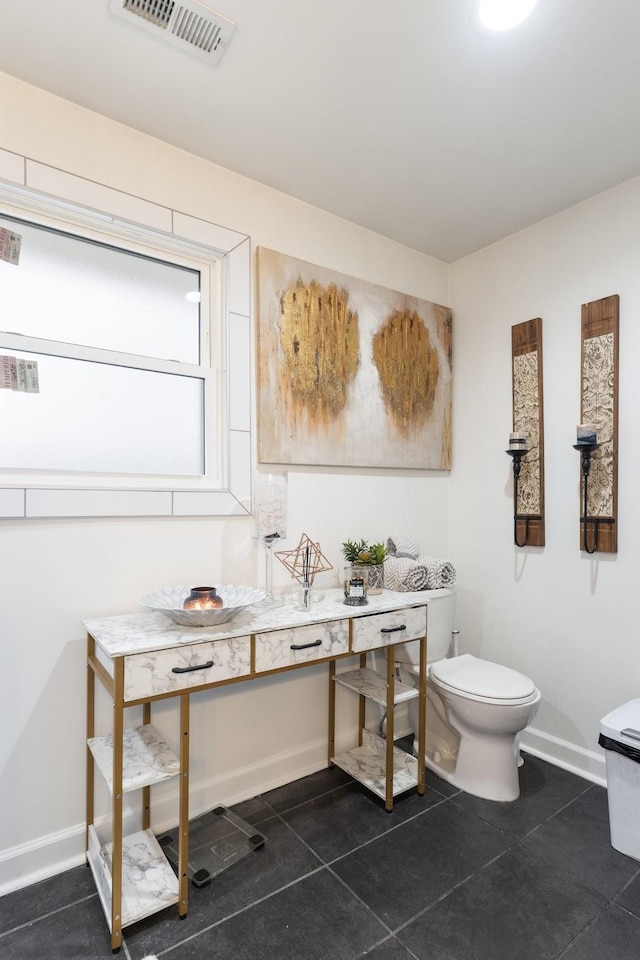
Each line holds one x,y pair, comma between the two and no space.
526,444
597,439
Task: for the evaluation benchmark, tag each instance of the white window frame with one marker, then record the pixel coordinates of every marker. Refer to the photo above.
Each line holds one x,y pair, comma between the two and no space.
43,194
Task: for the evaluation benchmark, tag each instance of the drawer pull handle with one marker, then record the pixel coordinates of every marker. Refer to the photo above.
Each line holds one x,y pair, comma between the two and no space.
200,666
305,646
393,629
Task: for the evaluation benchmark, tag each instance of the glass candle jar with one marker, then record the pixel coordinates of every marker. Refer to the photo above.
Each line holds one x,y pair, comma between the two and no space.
356,585
202,598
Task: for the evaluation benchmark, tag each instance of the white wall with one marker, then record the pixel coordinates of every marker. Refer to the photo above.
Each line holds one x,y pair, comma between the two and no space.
567,620
54,574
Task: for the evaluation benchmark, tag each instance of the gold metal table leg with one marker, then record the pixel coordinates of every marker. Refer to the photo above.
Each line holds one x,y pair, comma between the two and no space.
183,844
116,856
388,790
362,713
422,715
331,745
146,791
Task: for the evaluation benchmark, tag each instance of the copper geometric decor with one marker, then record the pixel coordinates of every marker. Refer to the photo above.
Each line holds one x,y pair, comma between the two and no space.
304,561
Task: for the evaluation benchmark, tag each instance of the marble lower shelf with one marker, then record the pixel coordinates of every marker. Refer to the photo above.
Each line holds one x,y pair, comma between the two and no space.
146,758
373,686
367,765
148,882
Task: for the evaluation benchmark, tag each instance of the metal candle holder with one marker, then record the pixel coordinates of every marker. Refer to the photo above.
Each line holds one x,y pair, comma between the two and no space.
586,452
517,455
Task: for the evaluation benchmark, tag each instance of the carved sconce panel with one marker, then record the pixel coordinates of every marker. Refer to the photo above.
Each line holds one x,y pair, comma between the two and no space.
599,406
526,348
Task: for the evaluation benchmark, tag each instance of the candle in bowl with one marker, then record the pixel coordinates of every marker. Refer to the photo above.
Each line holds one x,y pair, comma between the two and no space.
202,598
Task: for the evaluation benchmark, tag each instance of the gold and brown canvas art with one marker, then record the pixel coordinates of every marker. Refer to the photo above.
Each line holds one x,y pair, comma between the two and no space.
349,372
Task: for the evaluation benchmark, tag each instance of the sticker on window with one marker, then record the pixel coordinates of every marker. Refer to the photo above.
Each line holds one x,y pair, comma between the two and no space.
19,375
10,246
28,381
8,373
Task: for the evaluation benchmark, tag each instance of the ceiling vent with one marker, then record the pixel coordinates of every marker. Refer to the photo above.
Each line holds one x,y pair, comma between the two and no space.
188,24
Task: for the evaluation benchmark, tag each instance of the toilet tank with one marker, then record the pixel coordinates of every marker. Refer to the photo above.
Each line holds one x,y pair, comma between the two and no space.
440,625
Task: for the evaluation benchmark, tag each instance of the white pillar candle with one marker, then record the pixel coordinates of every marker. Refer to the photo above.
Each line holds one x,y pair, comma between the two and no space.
587,433
517,441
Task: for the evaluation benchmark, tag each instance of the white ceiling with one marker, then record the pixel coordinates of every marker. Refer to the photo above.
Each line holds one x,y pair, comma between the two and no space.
396,114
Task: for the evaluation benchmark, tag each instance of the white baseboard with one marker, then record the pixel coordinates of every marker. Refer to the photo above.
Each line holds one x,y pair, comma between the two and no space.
585,763
43,857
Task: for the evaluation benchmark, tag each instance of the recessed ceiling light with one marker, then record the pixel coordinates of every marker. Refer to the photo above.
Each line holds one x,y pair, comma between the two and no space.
504,14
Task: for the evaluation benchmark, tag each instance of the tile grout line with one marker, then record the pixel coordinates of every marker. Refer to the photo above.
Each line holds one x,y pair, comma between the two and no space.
45,916
560,810
584,929
239,912
514,837
325,793
323,865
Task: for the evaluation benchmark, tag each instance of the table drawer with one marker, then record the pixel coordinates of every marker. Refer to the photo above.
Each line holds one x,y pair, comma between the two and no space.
381,629
285,648
185,667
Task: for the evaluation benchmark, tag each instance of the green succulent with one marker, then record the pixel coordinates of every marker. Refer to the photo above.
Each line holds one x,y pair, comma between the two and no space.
359,551
378,552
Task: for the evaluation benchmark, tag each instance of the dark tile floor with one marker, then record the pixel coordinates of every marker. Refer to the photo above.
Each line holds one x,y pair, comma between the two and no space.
443,877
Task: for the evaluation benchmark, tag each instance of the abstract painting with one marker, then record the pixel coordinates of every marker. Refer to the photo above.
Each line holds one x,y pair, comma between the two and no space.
349,373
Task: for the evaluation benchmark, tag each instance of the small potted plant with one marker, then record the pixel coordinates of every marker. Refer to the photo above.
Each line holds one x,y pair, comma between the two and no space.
360,553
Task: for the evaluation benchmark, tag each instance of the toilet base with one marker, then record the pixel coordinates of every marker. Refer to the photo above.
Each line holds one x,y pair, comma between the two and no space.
482,788
487,766
473,742
503,790
481,764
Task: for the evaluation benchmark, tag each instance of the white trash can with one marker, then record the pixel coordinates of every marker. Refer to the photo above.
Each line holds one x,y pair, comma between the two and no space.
620,737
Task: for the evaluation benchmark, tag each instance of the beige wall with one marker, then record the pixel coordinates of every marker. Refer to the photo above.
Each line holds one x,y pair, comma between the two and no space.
55,573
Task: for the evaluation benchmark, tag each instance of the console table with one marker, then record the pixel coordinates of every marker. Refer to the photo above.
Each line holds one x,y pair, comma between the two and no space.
142,658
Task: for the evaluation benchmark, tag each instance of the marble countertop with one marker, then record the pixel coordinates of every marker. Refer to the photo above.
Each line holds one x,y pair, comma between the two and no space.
141,632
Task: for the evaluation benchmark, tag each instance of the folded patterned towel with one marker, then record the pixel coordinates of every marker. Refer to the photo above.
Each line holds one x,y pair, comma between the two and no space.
426,573
441,573
404,574
403,547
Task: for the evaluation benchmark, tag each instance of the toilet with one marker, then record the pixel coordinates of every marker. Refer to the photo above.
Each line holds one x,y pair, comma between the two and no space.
475,710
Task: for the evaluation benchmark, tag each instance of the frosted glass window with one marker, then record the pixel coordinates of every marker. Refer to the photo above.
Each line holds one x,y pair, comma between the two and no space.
123,351
75,290
98,418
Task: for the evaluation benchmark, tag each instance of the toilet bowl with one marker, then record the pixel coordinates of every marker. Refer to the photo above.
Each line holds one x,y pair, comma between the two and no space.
486,706
476,710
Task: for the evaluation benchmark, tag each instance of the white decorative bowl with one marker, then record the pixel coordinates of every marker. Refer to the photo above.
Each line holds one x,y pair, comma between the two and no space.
169,601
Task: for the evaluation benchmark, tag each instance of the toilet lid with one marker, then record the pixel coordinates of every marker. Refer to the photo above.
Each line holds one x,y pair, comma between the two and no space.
482,678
